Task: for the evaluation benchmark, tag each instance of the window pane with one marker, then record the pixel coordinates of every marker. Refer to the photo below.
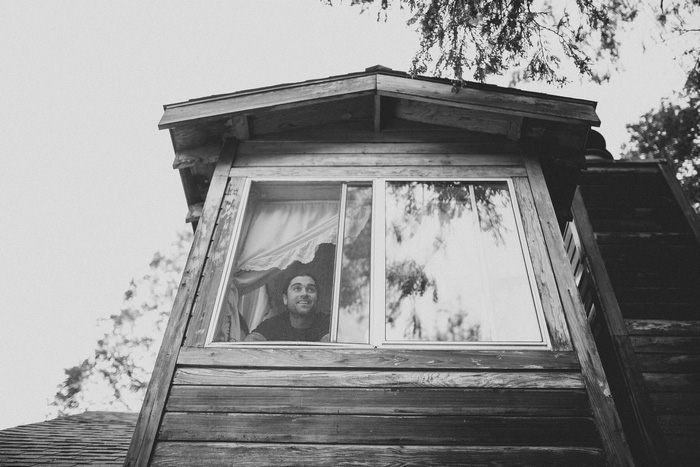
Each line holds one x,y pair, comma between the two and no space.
289,229
353,313
455,269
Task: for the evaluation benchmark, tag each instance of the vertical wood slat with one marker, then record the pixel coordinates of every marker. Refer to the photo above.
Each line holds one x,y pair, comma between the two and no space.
604,410
149,419
546,284
213,270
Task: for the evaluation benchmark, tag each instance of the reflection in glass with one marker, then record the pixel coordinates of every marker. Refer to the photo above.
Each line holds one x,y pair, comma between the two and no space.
455,269
353,312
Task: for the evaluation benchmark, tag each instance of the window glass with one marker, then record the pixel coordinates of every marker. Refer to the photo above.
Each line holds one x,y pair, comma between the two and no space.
455,269
451,268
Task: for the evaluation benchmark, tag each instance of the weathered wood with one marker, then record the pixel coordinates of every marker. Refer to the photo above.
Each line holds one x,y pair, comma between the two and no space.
281,96
393,131
665,382
340,358
369,172
348,115
377,113
207,154
240,127
679,403
680,424
366,429
378,379
194,212
360,401
684,450
669,362
373,159
171,454
661,327
604,410
674,344
152,409
260,148
521,104
643,239
468,119
204,307
546,284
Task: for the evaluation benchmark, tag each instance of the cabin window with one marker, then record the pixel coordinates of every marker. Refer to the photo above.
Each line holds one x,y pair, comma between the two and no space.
387,262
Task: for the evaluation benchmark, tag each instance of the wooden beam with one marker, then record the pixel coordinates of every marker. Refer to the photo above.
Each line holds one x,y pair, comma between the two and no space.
152,410
457,117
524,105
327,357
240,127
322,455
604,410
380,378
194,156
194,212
298,94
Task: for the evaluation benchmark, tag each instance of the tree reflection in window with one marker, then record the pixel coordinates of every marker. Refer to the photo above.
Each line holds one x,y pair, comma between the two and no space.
455,269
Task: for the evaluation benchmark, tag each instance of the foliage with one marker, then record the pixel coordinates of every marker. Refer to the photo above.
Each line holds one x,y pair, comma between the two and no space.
672,132
540,38
115,377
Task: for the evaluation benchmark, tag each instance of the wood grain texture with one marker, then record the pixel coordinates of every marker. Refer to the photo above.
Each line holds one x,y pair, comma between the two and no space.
546,284
152,409
172,454
368,172
661,327
365,429
604,410
360,401
455,117
204,307
378,379
282,96
337,359
664,382
480,99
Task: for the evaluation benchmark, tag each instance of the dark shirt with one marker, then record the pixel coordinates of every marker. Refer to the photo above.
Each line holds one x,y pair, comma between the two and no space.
279,328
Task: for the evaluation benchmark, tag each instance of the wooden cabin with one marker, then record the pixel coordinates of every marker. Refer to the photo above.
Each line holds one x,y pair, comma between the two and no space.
469,317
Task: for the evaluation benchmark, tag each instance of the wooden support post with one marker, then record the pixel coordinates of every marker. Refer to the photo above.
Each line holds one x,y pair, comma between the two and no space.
604,411
143,440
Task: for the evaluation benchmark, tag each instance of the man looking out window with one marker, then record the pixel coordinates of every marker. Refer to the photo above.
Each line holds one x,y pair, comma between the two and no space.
302,322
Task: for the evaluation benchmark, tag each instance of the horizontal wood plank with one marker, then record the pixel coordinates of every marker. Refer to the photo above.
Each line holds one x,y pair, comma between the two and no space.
358,401
373,159
281,148
664,382
679,403
171,454
368,172
669,362
378,379
656,344
341,429
661,327
321,357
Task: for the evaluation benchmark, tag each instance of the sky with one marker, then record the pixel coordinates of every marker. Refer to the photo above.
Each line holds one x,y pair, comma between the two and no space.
87,191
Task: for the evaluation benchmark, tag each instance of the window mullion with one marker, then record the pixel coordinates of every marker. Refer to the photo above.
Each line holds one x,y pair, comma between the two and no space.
377,291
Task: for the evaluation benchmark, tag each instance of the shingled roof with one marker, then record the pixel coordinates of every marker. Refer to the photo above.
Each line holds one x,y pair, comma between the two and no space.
90,438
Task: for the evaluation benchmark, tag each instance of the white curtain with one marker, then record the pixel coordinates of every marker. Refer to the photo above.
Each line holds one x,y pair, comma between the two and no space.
278,234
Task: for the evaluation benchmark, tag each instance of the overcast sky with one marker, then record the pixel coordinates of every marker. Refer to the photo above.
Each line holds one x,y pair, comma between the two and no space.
87,191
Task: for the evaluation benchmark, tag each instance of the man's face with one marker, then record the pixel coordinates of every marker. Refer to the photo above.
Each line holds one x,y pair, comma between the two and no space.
301,295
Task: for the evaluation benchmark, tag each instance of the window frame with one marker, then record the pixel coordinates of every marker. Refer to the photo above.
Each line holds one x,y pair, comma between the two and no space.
377,338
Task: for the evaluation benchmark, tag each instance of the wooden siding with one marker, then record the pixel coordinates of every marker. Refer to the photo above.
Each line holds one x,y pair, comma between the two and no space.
649,243
336,406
